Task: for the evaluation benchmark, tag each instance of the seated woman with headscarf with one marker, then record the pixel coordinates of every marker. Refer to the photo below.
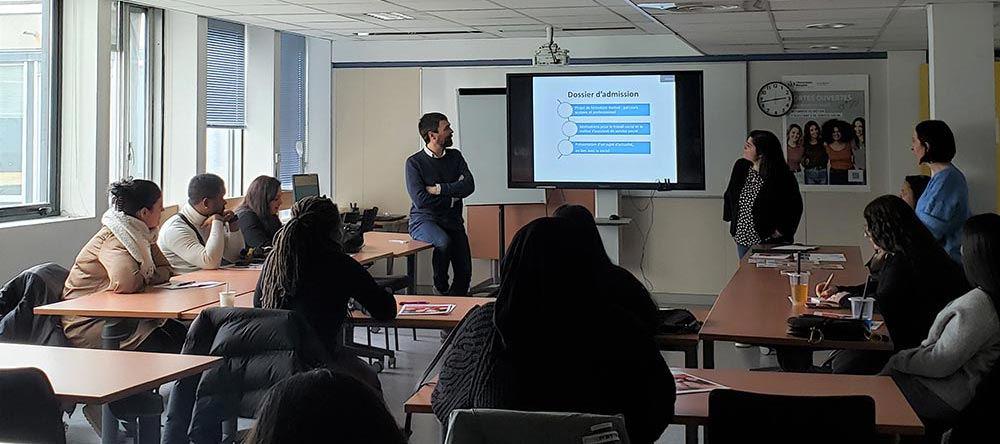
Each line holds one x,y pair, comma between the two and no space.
629,293
309,273
552,342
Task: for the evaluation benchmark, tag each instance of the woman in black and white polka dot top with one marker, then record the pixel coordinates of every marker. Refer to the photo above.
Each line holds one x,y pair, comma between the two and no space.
762,201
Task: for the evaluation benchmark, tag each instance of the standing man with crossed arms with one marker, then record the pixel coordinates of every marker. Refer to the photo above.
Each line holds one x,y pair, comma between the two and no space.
437,179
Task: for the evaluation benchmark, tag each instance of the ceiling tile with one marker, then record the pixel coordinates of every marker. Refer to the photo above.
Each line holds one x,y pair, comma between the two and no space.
796,5
309,18
360,8
460,16
447,5
833,15
543,3
271,9
718,18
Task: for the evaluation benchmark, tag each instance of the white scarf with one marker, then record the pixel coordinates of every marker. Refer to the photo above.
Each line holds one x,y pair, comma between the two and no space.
135,236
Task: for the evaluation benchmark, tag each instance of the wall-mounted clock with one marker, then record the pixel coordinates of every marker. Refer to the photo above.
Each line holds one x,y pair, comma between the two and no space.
775,99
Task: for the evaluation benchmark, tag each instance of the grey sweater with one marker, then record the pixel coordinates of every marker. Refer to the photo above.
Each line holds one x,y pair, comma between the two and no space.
959,351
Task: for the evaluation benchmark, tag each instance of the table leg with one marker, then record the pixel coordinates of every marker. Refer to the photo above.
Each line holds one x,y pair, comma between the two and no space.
115,330
708,354
149,430
411,271
691,434
691,357
109,425
390,263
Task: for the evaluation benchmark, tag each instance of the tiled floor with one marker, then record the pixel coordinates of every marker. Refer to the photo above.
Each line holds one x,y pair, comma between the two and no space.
398,383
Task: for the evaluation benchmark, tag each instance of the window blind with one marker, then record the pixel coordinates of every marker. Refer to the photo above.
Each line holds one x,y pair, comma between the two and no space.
226,71
292,102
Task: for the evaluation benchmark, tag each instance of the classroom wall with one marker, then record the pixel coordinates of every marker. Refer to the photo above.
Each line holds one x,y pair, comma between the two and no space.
689,255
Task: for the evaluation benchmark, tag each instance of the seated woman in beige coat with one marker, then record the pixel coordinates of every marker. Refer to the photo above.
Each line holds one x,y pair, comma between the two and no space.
123,257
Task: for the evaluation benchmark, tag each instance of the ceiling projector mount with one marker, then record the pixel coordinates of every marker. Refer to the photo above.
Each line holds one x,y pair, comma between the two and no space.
550,53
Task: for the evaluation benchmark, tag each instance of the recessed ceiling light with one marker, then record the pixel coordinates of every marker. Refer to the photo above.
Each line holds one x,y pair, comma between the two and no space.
828,47
828,25
362,34
389,15
690,7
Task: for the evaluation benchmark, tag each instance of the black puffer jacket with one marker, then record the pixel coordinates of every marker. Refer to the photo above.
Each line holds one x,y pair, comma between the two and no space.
36,286
261,347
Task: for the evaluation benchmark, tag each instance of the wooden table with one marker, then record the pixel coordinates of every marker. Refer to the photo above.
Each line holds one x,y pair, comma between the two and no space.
400,245
369,255
685,342
893,414
462,307
155,303
101,376
754,308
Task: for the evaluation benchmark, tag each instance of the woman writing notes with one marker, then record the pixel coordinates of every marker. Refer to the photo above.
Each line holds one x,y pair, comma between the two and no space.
912,280
944,206
940,376
762,202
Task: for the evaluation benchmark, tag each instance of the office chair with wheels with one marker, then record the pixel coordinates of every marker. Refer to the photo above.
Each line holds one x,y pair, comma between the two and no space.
489,426
734,415
29,409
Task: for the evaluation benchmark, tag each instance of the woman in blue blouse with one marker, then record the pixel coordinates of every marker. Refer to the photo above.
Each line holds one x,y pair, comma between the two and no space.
944,206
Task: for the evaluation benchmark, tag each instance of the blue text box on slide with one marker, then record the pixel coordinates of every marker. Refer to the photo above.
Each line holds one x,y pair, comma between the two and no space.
618,129
611,147
610,109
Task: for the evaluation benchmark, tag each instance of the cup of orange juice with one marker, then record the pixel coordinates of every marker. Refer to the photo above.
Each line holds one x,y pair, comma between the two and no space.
799,282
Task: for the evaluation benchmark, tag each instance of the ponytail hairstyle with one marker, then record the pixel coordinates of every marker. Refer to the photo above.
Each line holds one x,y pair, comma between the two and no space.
132,195
314,230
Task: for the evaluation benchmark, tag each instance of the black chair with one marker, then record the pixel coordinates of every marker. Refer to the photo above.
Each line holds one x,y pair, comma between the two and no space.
29,409
976,421
38,285
739,417
261,347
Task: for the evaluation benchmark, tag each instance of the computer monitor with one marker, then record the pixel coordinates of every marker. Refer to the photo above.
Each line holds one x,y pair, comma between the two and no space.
304,185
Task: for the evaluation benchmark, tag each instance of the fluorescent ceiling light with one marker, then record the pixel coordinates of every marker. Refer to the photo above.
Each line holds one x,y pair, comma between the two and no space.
828,25
389,15
690,7
829,47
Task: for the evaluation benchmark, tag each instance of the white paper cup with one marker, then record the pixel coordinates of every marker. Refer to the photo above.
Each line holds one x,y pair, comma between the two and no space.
227,298
862,308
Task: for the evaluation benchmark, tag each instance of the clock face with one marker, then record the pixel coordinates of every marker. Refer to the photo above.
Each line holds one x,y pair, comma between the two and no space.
775,99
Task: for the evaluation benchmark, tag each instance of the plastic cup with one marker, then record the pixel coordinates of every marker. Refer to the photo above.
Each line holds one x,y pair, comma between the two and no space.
227,298
799,282
862,308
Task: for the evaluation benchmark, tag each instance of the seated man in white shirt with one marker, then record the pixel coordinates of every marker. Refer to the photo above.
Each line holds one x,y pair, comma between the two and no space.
203,232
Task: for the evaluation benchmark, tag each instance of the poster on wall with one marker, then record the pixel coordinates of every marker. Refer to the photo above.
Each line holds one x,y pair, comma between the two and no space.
826,132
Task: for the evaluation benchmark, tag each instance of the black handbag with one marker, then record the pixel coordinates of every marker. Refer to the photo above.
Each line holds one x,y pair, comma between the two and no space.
819,328
678,321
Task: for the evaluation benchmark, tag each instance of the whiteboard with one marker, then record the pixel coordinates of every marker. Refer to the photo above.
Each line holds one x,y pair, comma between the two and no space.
482,124
725,108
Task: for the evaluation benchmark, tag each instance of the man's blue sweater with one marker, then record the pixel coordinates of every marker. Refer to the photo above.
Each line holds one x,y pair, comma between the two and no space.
452,173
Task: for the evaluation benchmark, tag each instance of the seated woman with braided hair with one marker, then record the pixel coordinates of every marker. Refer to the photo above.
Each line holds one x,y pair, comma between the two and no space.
309,273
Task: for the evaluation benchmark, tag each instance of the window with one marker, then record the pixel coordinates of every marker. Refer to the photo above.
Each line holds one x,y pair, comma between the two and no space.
224,102
28,111
292,116
134,62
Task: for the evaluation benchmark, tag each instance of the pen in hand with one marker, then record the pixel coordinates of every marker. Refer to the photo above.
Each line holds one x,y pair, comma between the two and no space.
826,285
